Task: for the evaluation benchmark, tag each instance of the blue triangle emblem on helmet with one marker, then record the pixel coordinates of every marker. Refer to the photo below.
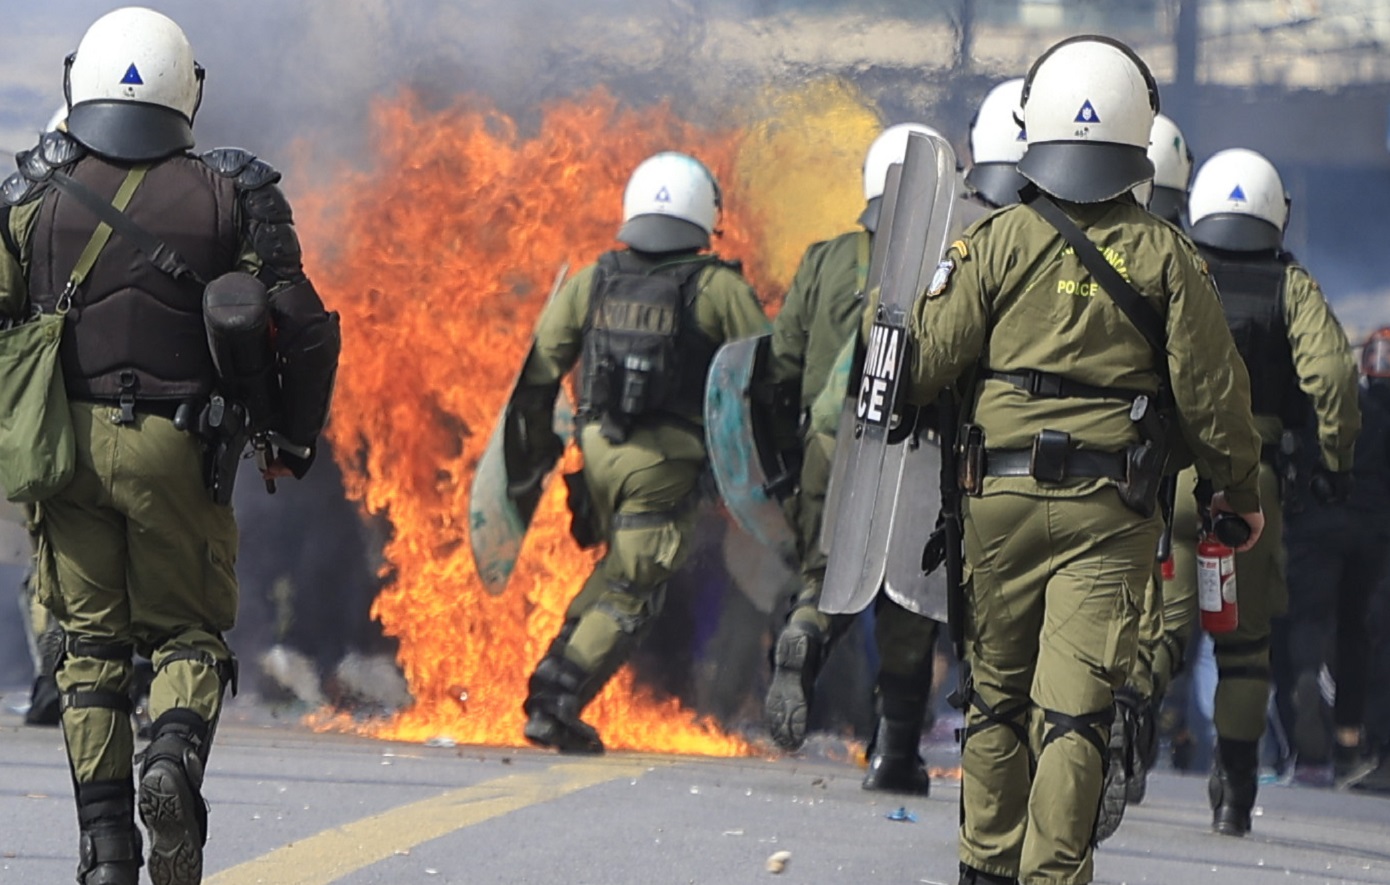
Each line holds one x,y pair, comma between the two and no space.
1238,195
132,76
663,196
1087,114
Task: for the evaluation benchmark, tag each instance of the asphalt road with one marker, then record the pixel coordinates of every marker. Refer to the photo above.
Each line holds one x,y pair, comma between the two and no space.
291,807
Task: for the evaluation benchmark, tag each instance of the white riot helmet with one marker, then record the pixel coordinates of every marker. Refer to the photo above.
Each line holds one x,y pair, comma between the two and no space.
997,144
888,148
1238,202
133,87
671,204
1172,159
1088,106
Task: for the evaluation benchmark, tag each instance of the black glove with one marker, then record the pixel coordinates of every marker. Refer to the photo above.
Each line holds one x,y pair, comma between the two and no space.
531,445
1330,486
934,553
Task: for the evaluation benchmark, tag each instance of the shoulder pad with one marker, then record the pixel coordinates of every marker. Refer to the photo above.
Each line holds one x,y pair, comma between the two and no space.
59,149
36,165
17,189
243,166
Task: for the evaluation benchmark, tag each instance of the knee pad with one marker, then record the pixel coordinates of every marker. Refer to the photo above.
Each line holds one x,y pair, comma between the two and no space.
99,673
1243,660
1086,725
226,669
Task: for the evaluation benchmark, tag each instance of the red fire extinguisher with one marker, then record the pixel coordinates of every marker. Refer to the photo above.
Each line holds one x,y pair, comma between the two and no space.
1216,572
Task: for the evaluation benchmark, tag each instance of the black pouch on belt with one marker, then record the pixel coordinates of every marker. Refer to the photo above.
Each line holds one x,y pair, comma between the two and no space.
971,470
1049,459
1145,460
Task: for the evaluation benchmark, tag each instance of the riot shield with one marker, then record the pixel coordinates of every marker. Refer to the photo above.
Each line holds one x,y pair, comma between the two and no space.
498,521
844,430
872,460
752,475
919,501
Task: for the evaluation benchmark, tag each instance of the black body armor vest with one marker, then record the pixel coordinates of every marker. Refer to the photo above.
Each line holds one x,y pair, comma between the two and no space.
1252,297
643,355
132,329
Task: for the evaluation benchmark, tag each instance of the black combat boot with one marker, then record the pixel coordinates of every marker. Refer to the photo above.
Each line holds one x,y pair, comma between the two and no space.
1146,749
971,876
553,705
1232,786
109,848
895,760
171,801
796,662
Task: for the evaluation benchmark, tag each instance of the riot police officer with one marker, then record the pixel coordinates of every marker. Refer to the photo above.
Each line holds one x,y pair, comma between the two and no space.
823,310
997,143
1295,351
1134,740
1061,463
643,323
134,553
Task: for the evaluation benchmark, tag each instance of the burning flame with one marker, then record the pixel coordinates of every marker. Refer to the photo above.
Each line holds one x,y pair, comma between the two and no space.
440,261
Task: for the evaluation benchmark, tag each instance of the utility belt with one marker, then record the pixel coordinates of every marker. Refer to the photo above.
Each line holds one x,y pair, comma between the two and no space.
1053,386
1055,463
617,428
129,408
1137,470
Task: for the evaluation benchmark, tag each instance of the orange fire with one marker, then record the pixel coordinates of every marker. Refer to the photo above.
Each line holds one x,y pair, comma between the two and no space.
439,262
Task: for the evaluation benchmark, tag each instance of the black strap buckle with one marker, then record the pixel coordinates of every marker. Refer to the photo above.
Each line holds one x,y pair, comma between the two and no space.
127,398
1044,383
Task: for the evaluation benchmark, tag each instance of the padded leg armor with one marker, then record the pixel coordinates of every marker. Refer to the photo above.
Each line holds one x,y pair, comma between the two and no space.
796,661
109,847
895,760
606,632
1233,785
94,675
171,801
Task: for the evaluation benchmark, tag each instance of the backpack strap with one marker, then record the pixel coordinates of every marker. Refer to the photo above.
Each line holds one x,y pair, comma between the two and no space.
1140,313
154,249
101,236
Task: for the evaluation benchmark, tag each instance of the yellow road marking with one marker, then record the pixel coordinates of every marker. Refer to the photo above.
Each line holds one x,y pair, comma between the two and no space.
327,856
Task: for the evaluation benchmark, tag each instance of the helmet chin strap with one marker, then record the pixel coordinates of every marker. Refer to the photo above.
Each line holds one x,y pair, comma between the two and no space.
67,78
199,75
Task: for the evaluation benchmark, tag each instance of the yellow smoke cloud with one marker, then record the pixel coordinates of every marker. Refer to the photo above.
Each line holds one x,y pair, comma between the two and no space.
802,165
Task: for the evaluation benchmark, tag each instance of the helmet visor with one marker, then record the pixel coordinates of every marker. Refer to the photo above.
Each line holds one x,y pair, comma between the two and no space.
126,130
1085,171
662,233
1237,233
997,184
1168,203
